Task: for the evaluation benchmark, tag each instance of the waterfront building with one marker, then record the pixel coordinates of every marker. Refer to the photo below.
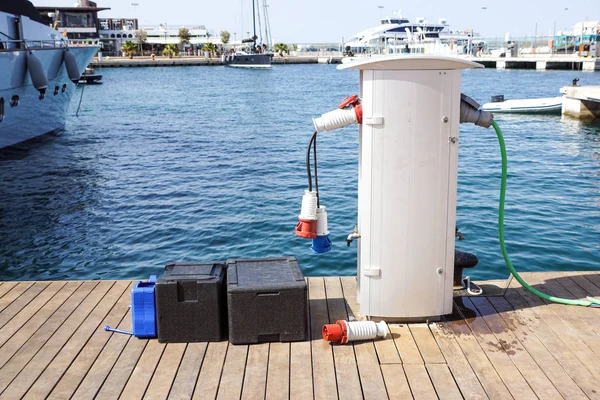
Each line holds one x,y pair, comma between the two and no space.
79,23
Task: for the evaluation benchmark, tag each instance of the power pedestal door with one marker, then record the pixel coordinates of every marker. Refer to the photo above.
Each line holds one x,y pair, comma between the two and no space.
408,168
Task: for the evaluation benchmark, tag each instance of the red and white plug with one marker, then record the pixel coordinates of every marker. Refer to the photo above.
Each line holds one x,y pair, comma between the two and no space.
344,331
348,112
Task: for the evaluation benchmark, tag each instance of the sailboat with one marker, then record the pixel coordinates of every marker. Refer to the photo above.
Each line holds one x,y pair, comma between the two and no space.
256,55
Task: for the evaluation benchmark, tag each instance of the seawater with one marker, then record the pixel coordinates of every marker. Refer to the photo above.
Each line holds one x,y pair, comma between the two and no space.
208,163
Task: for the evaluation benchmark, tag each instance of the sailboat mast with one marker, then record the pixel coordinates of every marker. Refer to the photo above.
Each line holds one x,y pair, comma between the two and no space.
253,27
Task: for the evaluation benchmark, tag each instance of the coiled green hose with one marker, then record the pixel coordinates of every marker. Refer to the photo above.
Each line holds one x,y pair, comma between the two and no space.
586,303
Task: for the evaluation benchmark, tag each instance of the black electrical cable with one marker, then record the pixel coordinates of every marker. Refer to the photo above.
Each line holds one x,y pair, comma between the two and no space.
310,143
316,175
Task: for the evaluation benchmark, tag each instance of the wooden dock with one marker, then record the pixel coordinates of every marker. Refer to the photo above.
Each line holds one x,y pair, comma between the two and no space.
513,345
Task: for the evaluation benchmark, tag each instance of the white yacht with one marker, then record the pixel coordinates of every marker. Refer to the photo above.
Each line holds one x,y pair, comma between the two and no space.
37,73
398,35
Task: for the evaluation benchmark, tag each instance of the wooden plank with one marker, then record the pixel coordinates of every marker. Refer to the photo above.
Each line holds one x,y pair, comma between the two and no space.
255,376
322,355
483,368
369,371
56,329
507,342
443,382
232,377
278,373
118,377
420,384
100,369
348,381
561,352
395,382
14,294
510,329
116,300
144,370
163,377
29,311
406,345
462,371
565,331
301,383
21,302
426,343
577,318
500,360
189,369
11,341
210,373
6,287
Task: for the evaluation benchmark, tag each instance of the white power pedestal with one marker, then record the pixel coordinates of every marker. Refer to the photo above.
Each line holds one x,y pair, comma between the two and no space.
408,171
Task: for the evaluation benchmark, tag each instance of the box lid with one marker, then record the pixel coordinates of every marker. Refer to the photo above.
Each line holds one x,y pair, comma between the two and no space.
193,271
264,274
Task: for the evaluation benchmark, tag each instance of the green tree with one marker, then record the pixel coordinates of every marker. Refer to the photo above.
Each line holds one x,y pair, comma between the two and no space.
129,48
141,36
184,36
282,48
210,47
225,36
170,50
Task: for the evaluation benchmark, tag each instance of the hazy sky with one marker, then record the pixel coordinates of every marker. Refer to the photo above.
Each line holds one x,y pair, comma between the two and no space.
328,21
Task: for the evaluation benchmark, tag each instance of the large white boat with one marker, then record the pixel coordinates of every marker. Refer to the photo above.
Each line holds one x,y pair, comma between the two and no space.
37,73
396,35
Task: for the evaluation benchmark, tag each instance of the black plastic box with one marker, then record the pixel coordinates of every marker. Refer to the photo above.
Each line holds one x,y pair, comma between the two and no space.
190,303
266,301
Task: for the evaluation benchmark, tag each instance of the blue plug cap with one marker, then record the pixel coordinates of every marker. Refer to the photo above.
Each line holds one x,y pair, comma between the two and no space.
320,245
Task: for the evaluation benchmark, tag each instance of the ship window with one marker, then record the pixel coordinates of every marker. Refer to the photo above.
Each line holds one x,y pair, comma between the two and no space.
1,109
112,35
14,101
64,88
56,90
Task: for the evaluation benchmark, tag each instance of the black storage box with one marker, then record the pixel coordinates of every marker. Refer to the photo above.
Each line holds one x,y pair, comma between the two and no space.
266,301
190,303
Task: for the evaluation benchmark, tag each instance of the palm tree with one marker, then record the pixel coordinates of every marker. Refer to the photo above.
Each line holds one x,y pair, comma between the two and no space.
225,36
184,36
170,51
129,48
209,47
281,48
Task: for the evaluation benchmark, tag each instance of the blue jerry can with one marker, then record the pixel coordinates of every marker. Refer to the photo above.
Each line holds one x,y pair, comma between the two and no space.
143,309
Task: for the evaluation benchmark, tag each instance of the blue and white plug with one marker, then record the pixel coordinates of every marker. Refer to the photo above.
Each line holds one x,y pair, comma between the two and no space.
321,244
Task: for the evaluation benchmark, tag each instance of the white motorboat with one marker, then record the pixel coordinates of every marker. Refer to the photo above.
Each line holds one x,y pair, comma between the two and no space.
37,73
549,105
397,35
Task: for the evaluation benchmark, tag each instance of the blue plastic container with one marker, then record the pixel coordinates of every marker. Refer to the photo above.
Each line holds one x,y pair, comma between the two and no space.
143,309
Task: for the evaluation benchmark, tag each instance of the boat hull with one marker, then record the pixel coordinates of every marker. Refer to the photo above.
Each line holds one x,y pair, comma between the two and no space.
552,105
33,116
258,61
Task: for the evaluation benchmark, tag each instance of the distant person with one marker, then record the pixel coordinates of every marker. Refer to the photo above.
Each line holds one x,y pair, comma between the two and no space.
406,49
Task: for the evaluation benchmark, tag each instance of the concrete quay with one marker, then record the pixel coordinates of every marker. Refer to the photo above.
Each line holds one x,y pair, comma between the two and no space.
536,62
119,62
582,102
540,63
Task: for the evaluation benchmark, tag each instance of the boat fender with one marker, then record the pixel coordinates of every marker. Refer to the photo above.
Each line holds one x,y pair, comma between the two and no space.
72,68
37,74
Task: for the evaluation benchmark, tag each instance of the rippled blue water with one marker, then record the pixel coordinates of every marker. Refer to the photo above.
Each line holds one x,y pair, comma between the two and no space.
183,164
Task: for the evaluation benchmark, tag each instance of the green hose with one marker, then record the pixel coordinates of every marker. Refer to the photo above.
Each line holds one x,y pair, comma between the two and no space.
585,303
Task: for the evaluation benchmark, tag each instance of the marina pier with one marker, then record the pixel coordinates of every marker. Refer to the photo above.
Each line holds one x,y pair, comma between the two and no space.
581,102
505,344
